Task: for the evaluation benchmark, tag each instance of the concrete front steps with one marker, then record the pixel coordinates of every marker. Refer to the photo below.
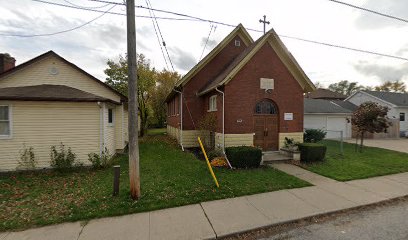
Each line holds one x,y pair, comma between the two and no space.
274,157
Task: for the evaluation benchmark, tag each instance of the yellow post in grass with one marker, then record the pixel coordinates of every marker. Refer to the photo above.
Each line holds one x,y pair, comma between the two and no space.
208,163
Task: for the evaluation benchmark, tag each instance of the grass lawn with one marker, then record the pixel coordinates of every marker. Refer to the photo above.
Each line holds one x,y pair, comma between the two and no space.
169,178
156,131
354,165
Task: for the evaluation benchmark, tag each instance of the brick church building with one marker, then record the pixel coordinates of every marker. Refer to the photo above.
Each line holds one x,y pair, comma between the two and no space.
254,88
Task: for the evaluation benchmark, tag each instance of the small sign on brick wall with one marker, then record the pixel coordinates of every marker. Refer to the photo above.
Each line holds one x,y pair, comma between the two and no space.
288,116
267,83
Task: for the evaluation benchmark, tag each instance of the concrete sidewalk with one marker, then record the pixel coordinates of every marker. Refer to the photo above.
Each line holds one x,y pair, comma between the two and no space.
230,216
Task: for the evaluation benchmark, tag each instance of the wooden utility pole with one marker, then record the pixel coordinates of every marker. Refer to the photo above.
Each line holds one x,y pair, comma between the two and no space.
134,176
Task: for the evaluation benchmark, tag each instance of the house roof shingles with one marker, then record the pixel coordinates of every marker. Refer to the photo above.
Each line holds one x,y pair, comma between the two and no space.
398,99
322,93
323,106
52,53
48,92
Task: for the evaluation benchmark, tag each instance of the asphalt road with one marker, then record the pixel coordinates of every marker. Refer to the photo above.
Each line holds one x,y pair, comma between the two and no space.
382,222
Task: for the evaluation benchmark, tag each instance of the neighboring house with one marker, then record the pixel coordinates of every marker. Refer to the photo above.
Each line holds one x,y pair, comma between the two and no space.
255,90
332,116
48,100
396,102
322,93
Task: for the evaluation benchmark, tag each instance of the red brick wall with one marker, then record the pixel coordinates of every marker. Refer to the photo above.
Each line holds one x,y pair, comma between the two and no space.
197,105
243,92
174,119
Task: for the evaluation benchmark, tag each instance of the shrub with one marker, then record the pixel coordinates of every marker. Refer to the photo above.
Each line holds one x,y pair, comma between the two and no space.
62,159
291,144
27,158
313,135
244,157
214,153
312,152
101,161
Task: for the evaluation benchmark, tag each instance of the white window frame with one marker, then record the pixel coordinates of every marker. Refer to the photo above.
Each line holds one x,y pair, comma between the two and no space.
402,114
212,103
10,120
113,117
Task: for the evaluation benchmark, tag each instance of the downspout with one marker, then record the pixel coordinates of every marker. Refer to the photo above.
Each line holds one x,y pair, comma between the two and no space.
181,118
101,125
223,120
223,125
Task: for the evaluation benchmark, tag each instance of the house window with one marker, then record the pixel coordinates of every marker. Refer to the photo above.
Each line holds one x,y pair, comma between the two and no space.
265,107
212,106
110,116
402,117
237,43
5,125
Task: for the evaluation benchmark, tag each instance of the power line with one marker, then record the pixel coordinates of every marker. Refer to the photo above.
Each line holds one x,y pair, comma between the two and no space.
112,13
59,32
158,39
75,5
206,42
193,18
161,35
370,11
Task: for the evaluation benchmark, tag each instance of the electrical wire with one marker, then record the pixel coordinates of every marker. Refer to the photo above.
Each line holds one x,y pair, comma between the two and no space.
370,11
193,18
161,35
75,5
206,42
59,32
158,39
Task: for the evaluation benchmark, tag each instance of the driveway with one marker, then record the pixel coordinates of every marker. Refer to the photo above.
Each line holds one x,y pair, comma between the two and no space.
400,145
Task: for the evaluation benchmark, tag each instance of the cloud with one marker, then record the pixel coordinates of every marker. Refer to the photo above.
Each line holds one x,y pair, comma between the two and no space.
182,60
403,51
396,8
210,44
384,73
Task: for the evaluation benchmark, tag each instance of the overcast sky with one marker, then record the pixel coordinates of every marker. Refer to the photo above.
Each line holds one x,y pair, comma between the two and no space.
91,46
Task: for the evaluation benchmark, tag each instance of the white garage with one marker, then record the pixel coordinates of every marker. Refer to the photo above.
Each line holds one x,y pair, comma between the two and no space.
329,116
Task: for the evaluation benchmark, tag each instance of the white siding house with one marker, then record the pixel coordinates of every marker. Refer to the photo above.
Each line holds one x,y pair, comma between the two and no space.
396,102
47,101
329,116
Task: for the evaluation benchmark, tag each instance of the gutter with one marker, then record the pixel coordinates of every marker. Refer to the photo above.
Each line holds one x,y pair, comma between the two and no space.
181,118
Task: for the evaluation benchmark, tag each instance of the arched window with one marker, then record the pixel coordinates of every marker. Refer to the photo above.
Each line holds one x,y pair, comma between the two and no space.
265,107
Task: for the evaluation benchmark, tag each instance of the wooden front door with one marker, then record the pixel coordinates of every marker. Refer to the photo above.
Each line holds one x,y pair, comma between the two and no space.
266,125
266,132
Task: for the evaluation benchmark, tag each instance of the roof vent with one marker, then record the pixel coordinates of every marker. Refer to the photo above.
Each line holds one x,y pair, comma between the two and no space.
53,70
237,43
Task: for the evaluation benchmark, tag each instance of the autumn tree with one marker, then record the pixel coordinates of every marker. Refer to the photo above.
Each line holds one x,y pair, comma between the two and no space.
345,87
165,81
392,86
370,117
118,79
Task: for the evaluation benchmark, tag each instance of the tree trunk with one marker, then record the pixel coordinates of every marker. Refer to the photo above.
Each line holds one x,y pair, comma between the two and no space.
361,143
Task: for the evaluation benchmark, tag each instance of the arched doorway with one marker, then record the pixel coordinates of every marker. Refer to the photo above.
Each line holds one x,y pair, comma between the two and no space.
266,125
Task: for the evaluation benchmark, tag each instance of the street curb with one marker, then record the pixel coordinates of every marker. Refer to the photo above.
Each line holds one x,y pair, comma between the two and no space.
312,217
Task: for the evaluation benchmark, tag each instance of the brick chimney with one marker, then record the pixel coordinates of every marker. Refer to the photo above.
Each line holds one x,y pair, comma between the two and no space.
6,62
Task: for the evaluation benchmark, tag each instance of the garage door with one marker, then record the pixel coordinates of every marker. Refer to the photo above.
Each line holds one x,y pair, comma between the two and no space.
336,124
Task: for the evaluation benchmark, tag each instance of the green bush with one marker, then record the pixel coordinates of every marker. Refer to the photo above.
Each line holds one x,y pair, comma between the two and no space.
103,160
313,135
27,158
244,157
312,152
63,159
